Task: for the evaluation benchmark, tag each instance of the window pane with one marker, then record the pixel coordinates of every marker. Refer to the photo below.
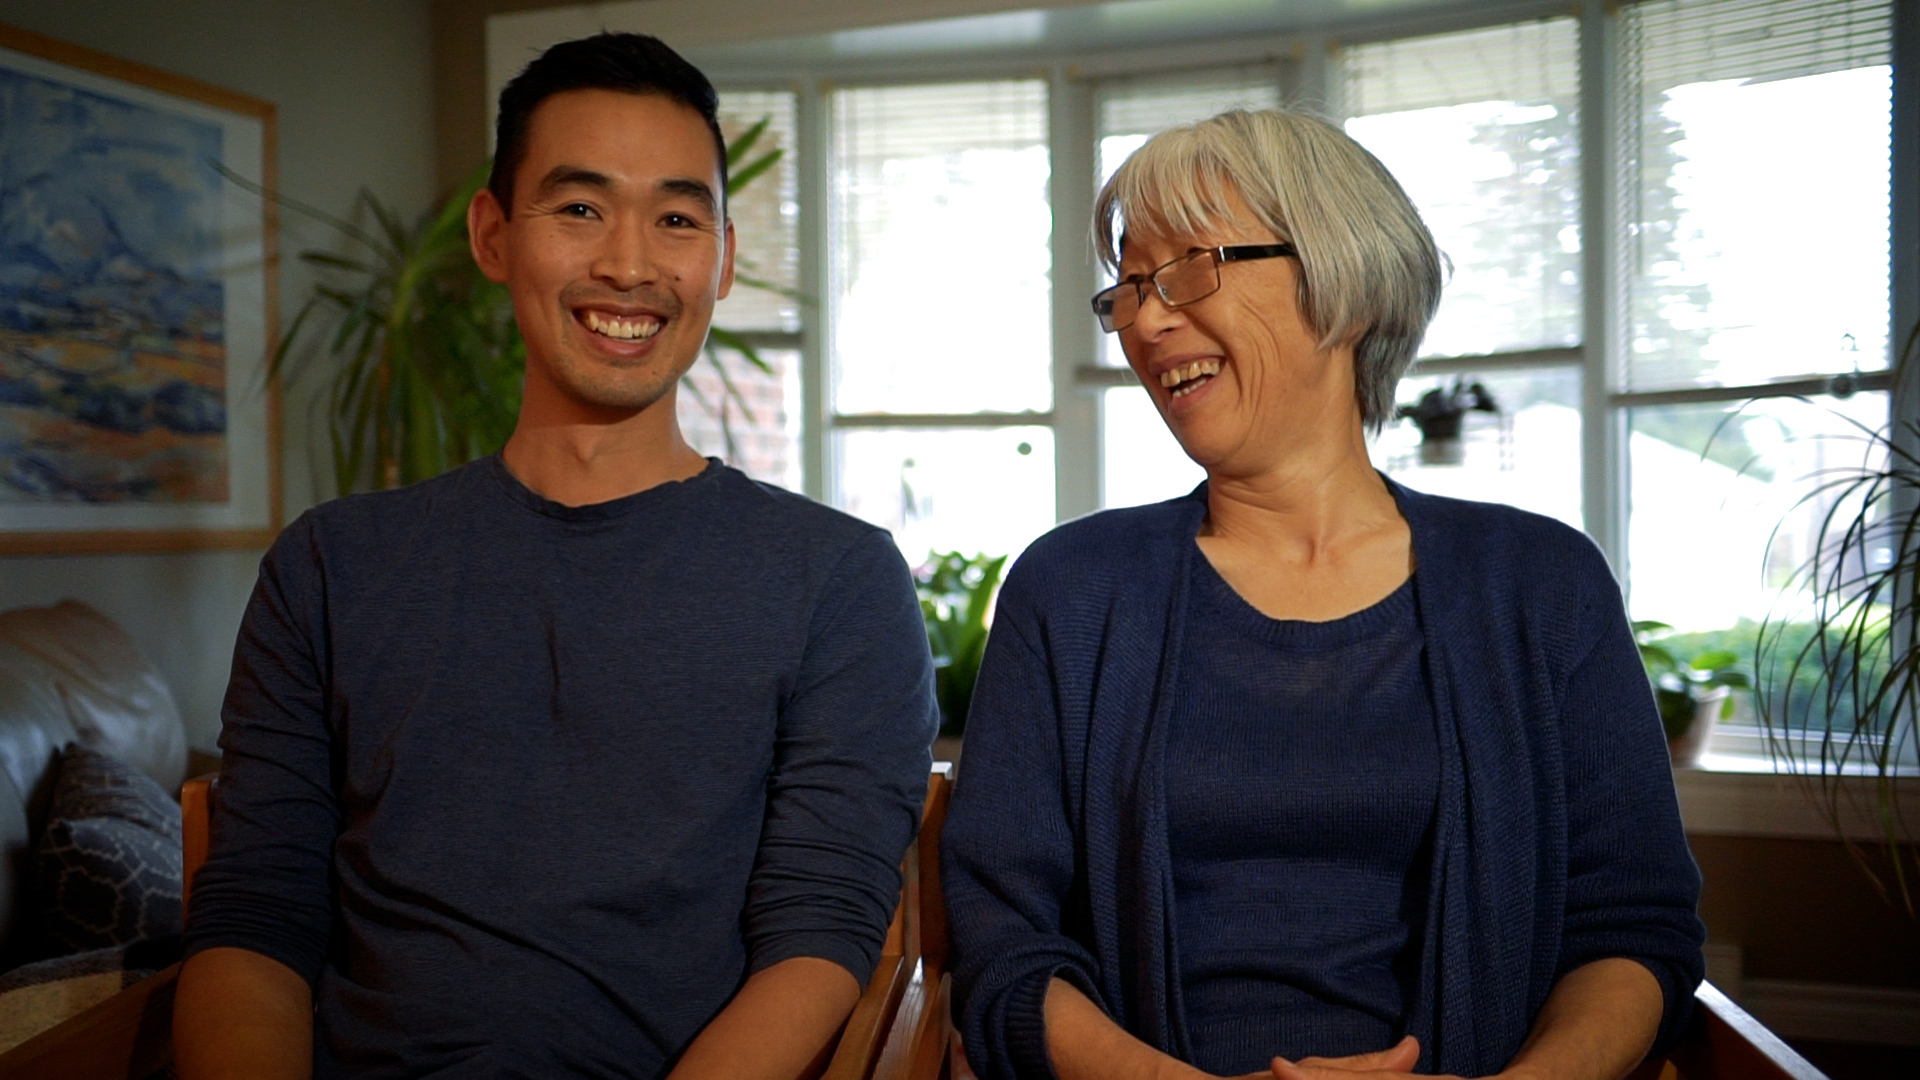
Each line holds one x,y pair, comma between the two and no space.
1710,484
755,426
1481,130
940,249
1527,455
765,216
974,490
1758,187
1140,460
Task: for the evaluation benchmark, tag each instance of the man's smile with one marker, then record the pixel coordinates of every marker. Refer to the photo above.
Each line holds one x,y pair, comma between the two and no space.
638,327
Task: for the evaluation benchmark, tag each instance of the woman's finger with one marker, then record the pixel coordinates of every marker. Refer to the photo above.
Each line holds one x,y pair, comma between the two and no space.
1400,1057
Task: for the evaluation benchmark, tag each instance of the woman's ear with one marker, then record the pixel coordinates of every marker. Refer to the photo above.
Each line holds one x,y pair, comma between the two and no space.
487,235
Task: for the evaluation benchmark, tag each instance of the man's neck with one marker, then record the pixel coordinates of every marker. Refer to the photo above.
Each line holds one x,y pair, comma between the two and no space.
577,457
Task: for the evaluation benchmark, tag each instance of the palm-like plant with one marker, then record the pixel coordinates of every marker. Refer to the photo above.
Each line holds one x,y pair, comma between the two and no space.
429,359
1838,661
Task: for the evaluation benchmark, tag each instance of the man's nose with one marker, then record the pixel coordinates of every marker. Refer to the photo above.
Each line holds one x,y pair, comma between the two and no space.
626,260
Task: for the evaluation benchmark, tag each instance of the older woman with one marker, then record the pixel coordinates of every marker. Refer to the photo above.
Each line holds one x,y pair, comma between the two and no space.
1306,773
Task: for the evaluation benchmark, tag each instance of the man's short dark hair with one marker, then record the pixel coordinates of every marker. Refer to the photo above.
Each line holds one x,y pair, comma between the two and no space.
628,63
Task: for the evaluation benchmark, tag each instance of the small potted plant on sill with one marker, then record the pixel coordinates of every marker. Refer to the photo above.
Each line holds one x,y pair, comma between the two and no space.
1440,414
1693,695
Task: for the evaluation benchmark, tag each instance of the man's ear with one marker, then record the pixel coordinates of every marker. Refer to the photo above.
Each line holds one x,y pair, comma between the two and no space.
487,235
726,262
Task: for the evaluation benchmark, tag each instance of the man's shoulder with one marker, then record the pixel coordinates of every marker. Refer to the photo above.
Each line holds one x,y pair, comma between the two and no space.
766,505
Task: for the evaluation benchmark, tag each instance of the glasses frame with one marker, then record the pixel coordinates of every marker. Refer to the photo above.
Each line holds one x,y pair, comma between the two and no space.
1103,300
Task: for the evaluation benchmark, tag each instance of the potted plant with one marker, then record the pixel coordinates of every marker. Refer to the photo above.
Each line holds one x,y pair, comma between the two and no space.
1693,695
1440,414
956,597
1838,658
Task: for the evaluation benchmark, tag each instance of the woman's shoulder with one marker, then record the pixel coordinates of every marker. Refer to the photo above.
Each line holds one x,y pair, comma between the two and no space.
1483,532
1128,536
1107,552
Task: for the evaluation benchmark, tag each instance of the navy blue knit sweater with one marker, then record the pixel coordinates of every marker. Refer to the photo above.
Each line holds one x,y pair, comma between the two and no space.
1302,775
1557,839
528,790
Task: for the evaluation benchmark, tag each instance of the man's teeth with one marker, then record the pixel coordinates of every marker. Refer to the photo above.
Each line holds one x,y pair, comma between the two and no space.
614,326
1183,379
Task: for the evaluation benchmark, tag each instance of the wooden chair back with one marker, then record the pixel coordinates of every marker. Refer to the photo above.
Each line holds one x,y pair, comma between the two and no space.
897,993
916,1046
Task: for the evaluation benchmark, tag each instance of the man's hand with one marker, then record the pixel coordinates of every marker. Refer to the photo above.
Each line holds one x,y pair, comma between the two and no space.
239,1015
780,1026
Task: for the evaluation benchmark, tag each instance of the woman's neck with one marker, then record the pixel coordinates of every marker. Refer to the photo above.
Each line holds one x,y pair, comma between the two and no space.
1301,502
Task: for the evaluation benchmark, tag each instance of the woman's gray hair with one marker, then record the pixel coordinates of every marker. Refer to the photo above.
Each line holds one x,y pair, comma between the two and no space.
1370,273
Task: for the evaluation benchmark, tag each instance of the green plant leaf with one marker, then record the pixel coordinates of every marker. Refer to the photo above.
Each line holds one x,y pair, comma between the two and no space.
754,170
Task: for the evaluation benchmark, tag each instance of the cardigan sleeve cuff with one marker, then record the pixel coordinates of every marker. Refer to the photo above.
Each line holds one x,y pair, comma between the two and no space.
1026,1018
1676,992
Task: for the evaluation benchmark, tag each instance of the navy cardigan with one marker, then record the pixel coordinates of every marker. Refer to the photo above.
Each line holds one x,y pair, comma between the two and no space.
1557,837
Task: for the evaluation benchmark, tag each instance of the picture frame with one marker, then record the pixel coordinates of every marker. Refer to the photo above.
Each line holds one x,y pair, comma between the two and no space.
139,307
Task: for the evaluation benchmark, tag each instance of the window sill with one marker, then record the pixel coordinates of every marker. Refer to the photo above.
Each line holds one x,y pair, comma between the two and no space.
1729,795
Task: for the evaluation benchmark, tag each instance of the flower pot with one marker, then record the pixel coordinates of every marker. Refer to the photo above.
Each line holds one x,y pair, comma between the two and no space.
1687,750
1442,451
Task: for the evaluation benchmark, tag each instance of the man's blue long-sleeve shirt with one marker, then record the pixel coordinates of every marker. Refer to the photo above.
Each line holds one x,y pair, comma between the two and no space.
529,789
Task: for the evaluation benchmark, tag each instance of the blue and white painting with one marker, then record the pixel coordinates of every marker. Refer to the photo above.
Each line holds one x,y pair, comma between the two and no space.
113,351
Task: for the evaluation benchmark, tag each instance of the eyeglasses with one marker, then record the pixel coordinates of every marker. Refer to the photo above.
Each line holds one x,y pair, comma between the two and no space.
1181,281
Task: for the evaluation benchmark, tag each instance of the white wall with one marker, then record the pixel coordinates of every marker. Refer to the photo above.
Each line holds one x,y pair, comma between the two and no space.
353,83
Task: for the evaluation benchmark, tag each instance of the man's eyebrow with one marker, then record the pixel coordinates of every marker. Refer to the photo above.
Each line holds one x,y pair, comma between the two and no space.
568,175
692,189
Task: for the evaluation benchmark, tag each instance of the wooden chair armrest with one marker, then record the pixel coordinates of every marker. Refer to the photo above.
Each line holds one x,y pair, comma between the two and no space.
866,1030
1724,1040
127,1035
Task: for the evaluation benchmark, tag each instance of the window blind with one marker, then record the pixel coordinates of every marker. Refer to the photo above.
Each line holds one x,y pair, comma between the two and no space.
1147,104
939,213
1672,42
878,123
1481,130
1523,63
1742,121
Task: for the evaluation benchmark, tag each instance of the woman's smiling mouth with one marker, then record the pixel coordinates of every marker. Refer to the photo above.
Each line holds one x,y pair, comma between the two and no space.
1187,378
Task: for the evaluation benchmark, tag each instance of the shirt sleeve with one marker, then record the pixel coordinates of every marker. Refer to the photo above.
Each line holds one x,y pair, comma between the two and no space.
1008,858
265,886
1632,886
850,770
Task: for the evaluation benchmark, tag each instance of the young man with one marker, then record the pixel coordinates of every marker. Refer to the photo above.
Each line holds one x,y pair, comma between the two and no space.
592,758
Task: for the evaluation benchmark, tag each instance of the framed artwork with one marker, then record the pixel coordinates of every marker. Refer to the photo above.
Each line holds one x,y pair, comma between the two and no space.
137,308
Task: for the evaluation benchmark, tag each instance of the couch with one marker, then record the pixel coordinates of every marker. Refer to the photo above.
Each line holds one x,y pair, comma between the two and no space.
68,674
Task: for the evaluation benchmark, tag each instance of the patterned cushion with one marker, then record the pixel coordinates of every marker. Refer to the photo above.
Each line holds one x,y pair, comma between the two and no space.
108,864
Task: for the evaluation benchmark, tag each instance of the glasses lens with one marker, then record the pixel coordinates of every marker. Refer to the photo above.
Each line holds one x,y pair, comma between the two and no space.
1116,306
1188,280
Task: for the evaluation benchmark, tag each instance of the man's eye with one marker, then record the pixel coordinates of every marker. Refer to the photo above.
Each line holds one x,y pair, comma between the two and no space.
679,221
578,210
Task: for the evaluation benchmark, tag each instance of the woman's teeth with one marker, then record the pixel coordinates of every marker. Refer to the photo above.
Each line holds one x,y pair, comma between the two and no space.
614,326
1186,378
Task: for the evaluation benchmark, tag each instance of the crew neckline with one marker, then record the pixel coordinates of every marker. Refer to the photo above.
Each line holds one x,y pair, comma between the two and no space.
532,500
1219,597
